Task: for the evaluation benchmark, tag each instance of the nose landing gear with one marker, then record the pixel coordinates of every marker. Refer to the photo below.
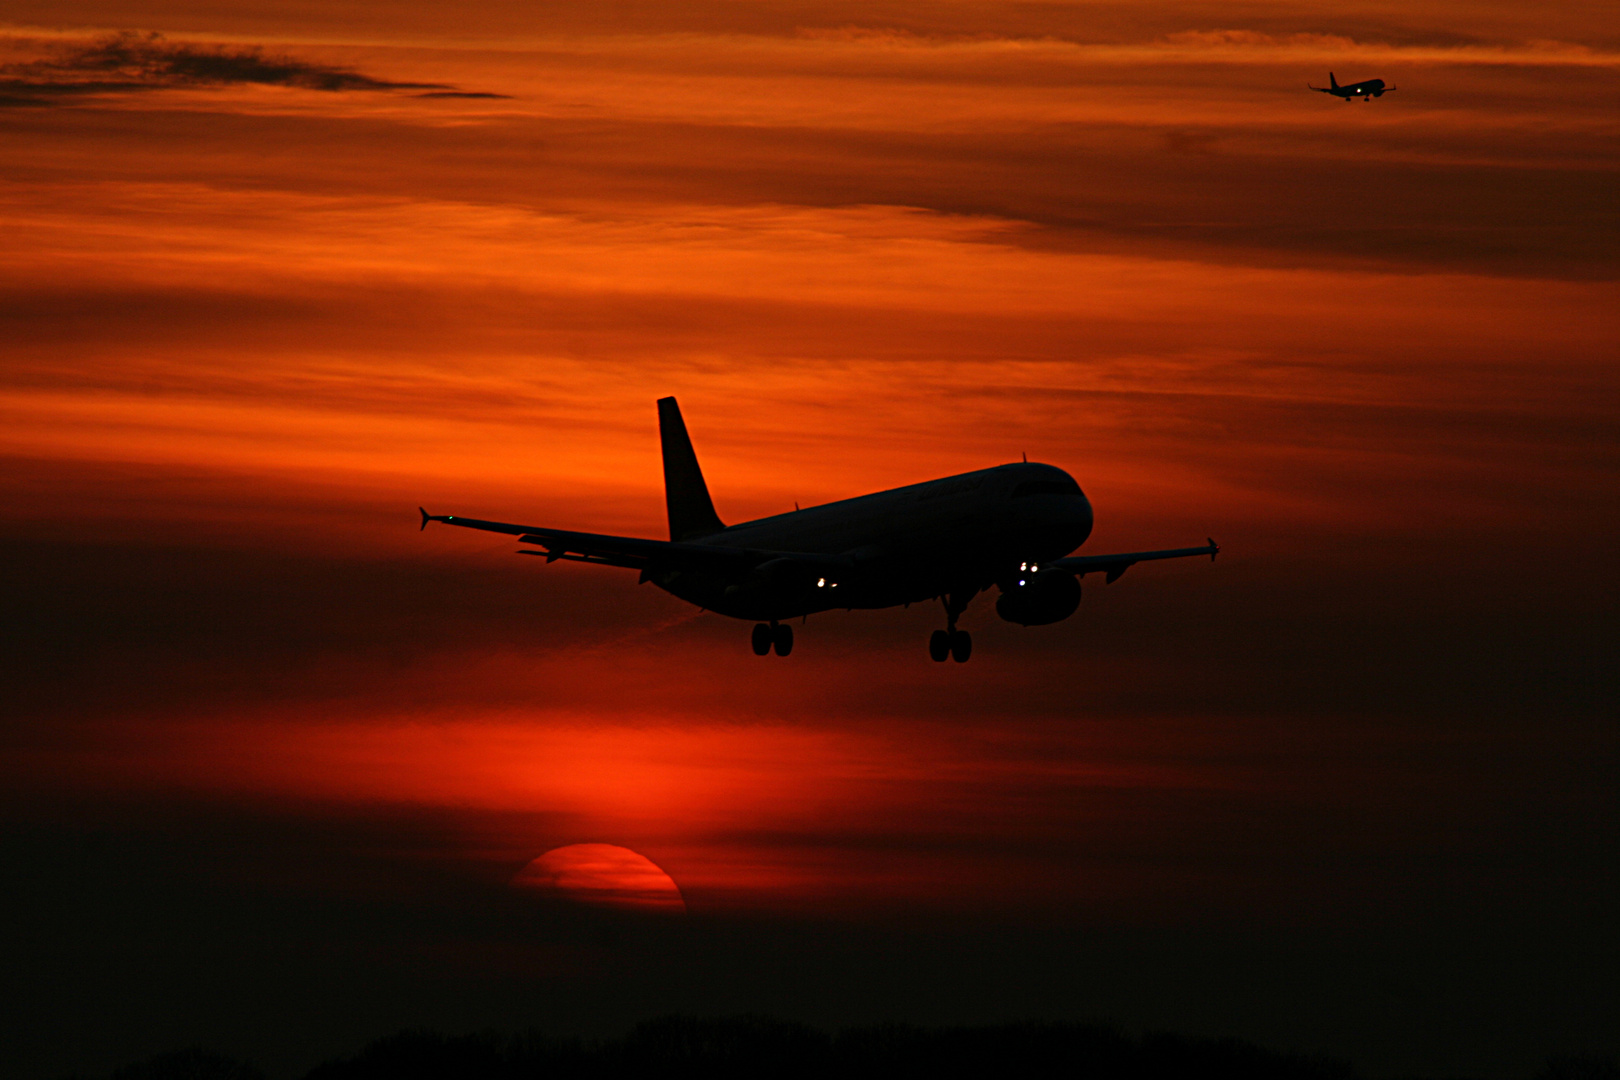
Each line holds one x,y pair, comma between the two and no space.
772,635
951,642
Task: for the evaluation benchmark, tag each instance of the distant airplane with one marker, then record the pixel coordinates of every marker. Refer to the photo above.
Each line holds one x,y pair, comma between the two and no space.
948,539
1367,89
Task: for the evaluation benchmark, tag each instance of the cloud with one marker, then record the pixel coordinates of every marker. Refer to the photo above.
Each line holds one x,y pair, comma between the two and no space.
245,341
132,61
1243,43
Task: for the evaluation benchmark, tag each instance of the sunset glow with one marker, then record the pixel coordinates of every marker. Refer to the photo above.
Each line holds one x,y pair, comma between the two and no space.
274,277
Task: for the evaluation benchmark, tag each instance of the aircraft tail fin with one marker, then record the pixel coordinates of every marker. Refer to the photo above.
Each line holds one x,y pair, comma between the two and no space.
691,511
1332,82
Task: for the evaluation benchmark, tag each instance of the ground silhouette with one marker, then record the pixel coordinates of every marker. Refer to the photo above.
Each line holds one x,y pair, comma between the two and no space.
754,1046
678,1047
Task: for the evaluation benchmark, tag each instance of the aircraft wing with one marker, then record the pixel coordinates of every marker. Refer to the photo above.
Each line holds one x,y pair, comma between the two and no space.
1114,565
638,553
631,551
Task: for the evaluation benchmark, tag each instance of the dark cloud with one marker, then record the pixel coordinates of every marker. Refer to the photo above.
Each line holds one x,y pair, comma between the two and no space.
1255,197
150,60
131,61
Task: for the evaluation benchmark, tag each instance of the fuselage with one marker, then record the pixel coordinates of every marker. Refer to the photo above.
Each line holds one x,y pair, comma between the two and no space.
957,534
1366,88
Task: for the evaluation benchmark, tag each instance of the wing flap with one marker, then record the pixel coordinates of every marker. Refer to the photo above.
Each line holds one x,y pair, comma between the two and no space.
628,562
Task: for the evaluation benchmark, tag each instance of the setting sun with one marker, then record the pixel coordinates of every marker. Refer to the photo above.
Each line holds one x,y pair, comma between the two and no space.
601,875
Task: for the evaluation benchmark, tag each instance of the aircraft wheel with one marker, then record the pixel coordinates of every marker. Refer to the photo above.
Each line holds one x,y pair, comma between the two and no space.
961,646
939,646
762,639
783,636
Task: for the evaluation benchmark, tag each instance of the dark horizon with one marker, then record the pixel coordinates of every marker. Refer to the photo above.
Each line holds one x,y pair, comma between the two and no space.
752,1045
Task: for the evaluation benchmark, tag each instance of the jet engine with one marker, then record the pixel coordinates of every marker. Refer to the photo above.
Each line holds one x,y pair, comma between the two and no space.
1047,596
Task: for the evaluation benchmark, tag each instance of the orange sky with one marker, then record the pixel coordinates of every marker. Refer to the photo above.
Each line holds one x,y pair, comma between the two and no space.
415,254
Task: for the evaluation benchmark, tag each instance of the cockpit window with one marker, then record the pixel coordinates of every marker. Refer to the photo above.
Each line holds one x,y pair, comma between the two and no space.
1046,487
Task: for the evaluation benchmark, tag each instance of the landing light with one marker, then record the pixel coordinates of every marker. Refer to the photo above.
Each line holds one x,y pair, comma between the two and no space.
821,583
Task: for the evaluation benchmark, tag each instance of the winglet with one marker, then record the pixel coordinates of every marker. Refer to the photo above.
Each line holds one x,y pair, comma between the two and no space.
426,517
1214,548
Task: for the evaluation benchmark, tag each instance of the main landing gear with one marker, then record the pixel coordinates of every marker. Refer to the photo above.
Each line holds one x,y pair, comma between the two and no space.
772,635
951,642
957,644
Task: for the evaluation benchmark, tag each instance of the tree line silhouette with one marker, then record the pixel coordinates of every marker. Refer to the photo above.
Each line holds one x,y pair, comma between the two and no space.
763,1048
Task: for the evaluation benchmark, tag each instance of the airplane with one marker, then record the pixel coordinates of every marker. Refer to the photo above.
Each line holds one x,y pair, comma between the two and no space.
1011,527
1367,89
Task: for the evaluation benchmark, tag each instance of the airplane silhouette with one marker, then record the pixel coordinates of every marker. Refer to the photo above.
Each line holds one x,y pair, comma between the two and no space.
1011,527
1367,89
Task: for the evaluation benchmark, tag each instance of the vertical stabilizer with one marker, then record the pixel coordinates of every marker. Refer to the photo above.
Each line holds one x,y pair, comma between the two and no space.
1332,82
691,511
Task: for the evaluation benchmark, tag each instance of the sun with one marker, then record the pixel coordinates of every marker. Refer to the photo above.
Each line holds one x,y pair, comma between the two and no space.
602,875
